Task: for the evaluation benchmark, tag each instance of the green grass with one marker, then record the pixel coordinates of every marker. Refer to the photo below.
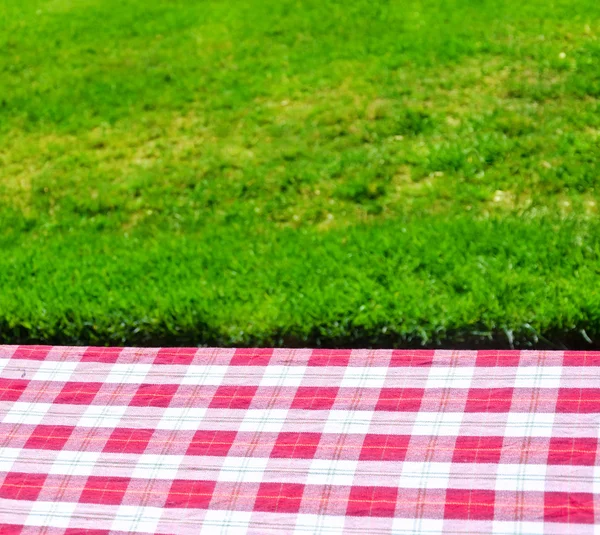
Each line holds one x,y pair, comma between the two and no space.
362,173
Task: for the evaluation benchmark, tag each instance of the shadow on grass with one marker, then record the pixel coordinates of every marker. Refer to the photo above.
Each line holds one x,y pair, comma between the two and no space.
356,337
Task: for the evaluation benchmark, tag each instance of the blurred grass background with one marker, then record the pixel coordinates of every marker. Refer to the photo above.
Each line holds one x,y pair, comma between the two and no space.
365,173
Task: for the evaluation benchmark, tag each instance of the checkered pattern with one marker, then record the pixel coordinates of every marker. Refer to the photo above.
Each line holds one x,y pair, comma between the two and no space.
222,441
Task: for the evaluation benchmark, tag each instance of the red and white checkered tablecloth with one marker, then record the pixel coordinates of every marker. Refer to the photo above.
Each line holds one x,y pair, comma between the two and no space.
189,441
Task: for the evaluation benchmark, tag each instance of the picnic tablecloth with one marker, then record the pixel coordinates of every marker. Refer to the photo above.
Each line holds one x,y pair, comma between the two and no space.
188,441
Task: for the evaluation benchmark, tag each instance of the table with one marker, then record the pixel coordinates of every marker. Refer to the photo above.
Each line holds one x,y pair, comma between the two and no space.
188,441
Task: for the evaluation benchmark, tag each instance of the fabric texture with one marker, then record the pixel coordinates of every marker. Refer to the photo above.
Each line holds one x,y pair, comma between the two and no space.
220,441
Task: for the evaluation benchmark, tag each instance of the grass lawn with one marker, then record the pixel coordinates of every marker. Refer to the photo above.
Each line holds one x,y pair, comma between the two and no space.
363,173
